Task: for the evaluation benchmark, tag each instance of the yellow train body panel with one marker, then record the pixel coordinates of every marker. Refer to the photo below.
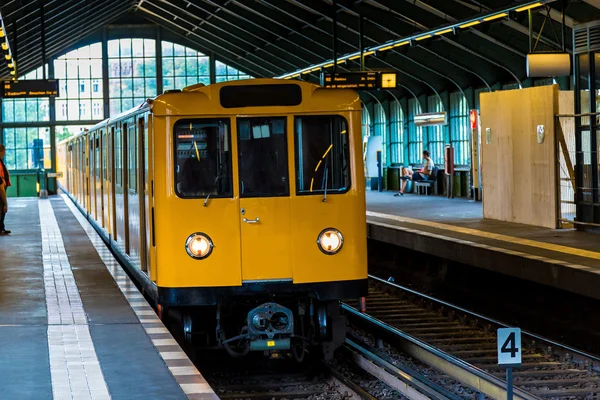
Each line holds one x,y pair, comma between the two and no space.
256,239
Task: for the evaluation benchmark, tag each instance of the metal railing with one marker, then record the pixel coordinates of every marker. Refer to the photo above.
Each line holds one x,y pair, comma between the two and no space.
567,157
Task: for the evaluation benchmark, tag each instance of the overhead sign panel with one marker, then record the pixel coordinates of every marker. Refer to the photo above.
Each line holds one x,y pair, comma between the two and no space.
29,88
367,80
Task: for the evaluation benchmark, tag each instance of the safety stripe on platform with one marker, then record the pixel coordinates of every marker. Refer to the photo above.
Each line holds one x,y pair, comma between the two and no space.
183,370
488,247
490,235
74,366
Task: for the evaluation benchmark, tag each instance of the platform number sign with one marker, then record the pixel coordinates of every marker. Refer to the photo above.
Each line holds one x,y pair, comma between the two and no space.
509,346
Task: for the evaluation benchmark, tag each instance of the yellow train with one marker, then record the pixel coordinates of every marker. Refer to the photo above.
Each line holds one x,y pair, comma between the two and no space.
239,206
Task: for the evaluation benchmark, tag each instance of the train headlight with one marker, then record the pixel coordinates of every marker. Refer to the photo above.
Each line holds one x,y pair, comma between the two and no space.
330,241
198,246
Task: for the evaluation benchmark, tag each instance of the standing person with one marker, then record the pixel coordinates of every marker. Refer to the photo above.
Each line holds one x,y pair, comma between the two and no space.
4,184
421,175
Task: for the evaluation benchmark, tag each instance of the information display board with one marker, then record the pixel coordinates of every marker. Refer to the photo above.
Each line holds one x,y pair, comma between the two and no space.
29,88
367,80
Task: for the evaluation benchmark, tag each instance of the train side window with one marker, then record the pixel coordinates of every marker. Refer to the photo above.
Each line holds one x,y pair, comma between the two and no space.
322,154
202,158
97,156
118,157
132,145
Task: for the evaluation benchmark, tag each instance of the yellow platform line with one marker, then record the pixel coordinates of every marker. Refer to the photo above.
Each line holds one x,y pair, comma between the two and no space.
489,235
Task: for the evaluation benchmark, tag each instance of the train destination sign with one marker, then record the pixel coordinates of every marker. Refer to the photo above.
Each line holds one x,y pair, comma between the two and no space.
368,80
29,88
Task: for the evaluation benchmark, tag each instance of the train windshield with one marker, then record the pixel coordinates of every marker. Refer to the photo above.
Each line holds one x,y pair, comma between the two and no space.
322,154
202,158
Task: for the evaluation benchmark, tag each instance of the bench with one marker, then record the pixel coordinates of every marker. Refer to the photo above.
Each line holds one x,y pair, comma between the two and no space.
428,183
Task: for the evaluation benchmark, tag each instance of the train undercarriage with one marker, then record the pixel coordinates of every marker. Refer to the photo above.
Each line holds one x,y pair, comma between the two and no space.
282,326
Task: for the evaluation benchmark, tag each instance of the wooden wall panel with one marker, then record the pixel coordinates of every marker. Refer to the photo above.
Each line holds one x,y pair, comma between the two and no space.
518,173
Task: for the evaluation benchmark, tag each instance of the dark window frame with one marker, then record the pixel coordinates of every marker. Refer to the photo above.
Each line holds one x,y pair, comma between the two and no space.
285,133
227,120
320,192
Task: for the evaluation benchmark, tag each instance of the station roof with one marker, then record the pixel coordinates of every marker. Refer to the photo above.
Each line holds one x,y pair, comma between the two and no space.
267,38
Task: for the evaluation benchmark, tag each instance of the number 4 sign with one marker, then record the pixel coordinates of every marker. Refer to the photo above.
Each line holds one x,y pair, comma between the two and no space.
509,346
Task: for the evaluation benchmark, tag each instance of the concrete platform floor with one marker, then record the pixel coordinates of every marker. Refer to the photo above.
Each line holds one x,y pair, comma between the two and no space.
72,323
455,229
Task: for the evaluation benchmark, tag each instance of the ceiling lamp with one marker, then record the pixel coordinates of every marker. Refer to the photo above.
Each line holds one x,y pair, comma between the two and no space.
430,119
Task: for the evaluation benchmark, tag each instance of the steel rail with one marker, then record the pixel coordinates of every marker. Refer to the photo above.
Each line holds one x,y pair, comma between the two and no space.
452,366
409,383
491,320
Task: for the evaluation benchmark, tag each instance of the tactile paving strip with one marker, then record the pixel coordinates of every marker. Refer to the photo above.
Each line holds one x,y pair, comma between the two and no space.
183,370
74,366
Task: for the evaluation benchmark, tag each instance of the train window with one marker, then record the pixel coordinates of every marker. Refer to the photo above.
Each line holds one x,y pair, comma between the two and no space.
118,158
202,158
97,156
132,145
263,164
322,154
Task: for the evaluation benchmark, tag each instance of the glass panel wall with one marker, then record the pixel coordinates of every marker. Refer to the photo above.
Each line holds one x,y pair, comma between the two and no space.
131,73
415,133
183,66
435,136
396,147
79,73
132,78
226,73
459,128
26,110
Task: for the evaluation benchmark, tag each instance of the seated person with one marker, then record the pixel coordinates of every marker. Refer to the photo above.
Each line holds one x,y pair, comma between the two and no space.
421,175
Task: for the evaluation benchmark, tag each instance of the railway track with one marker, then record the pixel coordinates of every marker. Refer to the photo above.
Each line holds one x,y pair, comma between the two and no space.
463,345
261,379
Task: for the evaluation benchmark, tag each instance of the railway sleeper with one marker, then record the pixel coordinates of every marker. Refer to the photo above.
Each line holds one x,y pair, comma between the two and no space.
571,373
491,359
469,346
565,392
557,382
401,321
471,334
526,366
466,340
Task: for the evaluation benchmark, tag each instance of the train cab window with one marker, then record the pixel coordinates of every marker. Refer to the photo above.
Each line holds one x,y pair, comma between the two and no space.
263,163
322,154
202,158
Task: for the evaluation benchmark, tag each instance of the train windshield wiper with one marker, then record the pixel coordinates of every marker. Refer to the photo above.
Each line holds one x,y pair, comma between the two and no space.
325,190
214,184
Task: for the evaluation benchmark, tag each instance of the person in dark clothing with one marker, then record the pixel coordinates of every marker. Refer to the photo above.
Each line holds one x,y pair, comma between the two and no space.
4,184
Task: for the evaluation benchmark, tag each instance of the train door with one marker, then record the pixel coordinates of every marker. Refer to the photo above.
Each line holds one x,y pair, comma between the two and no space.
92,175
133,216
125,186
87,166
69,169
105,183
112,162
264,198
145,194
98,167
120,155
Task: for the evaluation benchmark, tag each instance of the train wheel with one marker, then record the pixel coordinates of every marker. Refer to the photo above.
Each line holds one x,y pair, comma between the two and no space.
298,349
163,314
188,327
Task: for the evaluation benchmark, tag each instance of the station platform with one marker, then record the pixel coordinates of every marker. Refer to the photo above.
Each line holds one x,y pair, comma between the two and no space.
455,229
72,323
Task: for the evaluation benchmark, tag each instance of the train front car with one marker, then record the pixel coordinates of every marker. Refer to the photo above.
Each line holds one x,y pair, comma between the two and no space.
259,221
